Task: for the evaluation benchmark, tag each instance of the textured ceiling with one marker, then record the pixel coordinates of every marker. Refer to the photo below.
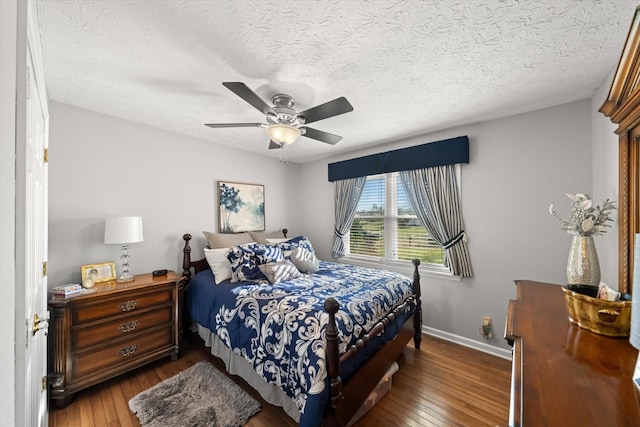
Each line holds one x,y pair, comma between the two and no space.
407,67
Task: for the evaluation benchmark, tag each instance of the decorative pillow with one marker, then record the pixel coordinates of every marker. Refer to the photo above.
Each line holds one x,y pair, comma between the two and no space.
245,259
305,261
267,253
276,272
291,244
220,265
243,264
223,240
262,236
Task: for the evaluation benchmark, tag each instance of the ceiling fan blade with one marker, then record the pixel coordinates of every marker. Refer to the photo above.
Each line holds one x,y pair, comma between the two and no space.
234,125
249,96
319,135
328,109
273,144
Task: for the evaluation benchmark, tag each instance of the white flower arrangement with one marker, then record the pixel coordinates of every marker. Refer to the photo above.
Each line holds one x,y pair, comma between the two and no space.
586,220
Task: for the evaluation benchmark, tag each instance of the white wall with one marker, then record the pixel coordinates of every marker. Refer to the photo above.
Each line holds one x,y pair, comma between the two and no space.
518,166
605,180
101,166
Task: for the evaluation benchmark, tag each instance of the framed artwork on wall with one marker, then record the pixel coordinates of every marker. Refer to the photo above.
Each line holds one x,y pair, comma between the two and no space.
241,207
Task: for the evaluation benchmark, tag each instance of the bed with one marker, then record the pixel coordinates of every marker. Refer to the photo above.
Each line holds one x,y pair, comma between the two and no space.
315,345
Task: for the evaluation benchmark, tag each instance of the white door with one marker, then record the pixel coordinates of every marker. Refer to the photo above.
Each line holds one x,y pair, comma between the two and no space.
35,232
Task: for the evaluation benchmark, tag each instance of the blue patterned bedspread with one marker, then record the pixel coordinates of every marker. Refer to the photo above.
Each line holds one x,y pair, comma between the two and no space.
280,328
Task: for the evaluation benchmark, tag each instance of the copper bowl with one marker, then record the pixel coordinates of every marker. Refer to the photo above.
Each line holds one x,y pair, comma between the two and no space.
610,318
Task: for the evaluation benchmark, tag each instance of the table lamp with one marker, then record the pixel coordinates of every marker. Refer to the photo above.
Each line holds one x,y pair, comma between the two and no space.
635,310
123,230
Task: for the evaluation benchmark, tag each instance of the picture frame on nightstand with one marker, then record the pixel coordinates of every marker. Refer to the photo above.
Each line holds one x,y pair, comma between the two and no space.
93,274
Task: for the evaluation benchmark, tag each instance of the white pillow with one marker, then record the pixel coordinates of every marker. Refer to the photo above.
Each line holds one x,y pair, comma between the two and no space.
220,265
276,241
263,236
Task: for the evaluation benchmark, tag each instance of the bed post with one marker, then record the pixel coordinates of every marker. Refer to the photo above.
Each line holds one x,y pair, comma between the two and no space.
417,317
186,256
331,306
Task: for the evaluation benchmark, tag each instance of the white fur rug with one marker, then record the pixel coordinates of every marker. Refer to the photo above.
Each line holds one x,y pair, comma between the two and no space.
198,396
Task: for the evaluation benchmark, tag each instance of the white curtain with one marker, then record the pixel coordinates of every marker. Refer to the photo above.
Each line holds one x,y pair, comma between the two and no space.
433,195
346,194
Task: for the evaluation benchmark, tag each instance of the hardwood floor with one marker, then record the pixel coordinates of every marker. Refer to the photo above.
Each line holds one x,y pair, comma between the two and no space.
442,384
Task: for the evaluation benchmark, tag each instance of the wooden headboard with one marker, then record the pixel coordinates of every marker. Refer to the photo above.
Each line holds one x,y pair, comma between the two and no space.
200,264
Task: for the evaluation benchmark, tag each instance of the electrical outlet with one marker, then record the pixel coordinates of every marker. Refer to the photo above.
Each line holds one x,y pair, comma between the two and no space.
486,330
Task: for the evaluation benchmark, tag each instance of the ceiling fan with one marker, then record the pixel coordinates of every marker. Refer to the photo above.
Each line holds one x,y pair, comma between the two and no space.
284,124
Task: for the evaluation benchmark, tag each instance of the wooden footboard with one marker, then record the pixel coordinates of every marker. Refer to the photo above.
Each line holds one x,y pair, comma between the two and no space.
346,399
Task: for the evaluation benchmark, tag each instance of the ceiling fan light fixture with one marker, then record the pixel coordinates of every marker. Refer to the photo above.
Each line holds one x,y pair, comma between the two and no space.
284,124
283,134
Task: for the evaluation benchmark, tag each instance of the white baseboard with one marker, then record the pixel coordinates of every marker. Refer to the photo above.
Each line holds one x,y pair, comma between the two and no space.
476,345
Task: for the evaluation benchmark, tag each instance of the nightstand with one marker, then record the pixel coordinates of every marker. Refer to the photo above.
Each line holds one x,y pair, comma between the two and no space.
119,327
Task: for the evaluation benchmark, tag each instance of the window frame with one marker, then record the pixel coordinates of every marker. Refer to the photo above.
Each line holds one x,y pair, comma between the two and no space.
401,266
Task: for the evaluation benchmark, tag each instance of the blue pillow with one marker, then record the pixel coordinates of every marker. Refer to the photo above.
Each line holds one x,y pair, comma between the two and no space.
243,264
296,242
245,259
266,254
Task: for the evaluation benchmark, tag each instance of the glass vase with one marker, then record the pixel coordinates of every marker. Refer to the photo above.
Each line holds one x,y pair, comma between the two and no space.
583,266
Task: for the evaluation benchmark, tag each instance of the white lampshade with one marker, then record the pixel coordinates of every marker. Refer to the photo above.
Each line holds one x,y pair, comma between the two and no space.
123,229
635,303
283,134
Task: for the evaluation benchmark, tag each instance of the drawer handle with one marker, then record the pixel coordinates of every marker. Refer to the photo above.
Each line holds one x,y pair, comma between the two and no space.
128,351
128,327
129,305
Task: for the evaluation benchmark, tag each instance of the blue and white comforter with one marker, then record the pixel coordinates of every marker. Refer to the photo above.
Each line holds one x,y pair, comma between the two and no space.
280,328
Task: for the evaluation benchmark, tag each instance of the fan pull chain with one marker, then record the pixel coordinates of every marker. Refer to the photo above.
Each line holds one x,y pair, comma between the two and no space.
282,159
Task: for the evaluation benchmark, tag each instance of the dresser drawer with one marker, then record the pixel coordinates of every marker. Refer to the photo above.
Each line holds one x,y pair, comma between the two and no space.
125,303
121,326
123,351
87,336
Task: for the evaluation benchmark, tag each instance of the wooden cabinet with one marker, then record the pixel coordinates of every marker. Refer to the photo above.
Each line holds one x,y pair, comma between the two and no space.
121,326
563,375
623,108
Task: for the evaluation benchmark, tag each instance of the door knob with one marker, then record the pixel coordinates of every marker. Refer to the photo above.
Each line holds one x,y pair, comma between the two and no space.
39,324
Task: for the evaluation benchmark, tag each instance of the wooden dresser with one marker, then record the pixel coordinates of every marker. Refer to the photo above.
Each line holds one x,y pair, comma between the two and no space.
564,375
121,326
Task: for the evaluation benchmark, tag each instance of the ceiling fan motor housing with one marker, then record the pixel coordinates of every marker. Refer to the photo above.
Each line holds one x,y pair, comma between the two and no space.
283,118
283,105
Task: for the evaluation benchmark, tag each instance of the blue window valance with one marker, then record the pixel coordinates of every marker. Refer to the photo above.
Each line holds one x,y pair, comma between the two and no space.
438,153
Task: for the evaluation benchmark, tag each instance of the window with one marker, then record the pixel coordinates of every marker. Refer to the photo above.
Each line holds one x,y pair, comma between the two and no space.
385,226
